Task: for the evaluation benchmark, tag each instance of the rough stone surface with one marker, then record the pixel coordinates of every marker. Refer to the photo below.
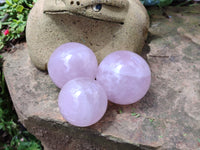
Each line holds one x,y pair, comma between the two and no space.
120,24
169,113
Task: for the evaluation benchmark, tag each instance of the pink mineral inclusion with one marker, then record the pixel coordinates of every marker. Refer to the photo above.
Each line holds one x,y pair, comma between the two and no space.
125,76
71,60
82,102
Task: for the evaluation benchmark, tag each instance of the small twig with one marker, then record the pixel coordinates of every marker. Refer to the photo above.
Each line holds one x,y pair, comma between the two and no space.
4,18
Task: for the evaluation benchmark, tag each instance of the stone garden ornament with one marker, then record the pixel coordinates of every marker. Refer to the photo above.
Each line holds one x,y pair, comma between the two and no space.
104,26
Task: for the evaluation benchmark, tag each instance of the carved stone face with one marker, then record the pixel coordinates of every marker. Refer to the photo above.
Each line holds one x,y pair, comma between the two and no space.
104,26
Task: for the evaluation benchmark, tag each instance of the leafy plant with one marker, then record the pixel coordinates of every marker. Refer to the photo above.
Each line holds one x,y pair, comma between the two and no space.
15,135
13,16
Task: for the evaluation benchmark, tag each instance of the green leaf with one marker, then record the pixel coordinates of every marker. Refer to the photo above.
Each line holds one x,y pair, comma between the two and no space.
133,114
2,7
14,5
24,145
34,146
19,8
151,120
5,23
14,141
1,113
20,29
14,25
20,16
15,20
165,3
1,100
29,5
6,147
9,2
15,1
1,126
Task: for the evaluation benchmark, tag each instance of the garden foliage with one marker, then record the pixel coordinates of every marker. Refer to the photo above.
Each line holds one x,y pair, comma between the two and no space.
13,16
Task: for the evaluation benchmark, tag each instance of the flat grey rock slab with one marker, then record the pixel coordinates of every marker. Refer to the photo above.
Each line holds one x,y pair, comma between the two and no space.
168,117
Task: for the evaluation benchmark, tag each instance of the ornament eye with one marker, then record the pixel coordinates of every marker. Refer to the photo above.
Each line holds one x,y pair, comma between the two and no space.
97,7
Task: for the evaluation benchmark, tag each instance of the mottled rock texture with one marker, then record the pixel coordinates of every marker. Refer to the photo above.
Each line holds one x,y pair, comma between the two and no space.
119,25
168,117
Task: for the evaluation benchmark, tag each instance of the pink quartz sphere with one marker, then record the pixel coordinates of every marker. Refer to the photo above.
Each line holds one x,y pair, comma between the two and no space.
71,60
82,102
125,76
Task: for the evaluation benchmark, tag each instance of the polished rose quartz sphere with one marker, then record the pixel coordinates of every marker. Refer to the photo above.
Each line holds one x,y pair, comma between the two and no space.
82,102
125,76
71,60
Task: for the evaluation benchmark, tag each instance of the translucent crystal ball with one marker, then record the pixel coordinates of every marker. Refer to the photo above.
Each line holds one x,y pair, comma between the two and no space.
82,102
71,60
125,76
